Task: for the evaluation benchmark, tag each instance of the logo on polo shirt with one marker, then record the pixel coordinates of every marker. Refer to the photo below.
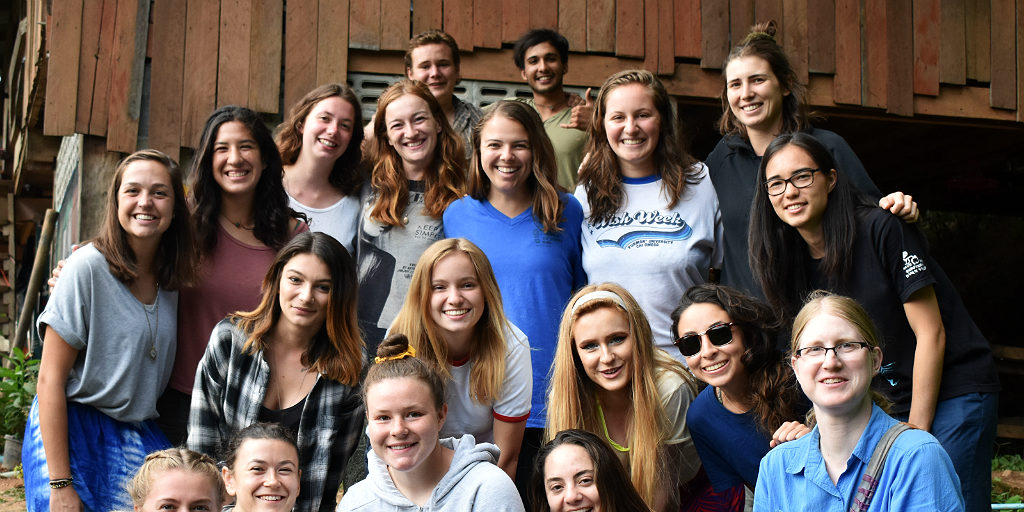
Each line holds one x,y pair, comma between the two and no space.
912,264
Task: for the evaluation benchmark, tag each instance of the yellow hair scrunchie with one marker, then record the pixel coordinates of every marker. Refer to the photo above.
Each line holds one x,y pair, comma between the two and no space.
409,352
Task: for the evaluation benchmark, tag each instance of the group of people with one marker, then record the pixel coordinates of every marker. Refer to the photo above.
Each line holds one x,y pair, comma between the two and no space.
488,330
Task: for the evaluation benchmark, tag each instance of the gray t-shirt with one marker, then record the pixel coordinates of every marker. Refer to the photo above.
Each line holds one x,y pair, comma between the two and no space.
126,349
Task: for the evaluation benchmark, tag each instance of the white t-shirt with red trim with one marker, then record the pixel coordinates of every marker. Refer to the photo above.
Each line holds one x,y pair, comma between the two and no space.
468,417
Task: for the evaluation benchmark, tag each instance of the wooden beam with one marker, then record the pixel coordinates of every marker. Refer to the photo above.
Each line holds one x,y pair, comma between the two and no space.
741,18
199,84
795,38
394,25
92,16
104,53
300,35
821,36
235,36
601,25
953,43
458,22
487,25
1005,352
126,73
629,28
1003,88
572,23
927,42
332,42
876,58
666,37
900,39
651,35
426,14
364,25
714,29
979,36
687,30
166,75
847,84
62,70
265,50
515,19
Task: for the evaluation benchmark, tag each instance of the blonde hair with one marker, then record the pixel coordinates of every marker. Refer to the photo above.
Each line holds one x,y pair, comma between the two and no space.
572,395
175,458
415,322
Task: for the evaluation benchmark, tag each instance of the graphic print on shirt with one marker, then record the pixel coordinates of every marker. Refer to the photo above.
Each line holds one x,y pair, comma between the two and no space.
643,228
887,369
912,264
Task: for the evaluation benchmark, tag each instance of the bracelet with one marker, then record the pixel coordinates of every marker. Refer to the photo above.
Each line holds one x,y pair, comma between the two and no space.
61,482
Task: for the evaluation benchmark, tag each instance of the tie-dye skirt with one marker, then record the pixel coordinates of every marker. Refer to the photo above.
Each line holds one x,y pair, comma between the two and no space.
105,454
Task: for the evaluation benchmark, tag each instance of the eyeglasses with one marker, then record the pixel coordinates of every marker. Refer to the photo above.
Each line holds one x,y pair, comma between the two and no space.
718,335
800,179
815,354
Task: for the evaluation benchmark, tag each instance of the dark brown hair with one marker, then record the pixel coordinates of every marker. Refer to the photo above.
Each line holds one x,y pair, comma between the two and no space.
271,431
390,366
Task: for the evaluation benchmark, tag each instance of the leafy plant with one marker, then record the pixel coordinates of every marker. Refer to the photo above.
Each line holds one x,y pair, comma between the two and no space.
1012,462
18,388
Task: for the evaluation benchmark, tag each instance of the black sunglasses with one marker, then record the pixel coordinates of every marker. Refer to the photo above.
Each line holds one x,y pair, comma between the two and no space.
718,335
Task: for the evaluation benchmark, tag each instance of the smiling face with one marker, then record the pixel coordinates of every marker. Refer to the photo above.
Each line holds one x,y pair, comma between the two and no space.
721,367
569,480
265,476
802,208
403,423
327,129
836,385
237,164
145,200
604,344
506,157
456,299
755,94
412,131
433,65
633,126
543,68
176,490
305,291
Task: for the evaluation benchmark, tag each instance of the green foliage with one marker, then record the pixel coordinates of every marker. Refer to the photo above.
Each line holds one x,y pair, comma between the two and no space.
18,388
1002,493
999,495
1012,462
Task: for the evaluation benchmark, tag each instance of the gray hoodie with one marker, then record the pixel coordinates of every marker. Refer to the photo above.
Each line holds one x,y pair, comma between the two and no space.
473,482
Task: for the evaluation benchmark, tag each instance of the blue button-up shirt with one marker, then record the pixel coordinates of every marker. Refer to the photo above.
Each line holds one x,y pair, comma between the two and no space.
918,475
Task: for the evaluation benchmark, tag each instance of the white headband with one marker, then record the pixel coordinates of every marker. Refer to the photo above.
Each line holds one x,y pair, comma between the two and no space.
599,294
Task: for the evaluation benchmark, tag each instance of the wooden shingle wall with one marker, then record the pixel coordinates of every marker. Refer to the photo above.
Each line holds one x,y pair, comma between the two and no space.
957,58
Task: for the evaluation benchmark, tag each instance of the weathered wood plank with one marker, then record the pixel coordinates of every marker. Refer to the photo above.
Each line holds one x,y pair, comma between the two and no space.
364,25
265,55
876,58
768,10
165,90
601,25
126,70
332,42
1020,60
741,18
62,70
426,14
544,14
394,24
487,25
515,19
199,86
900,39
300,36
651,35
794,12
629,28
978,34
1003,90
104,53
821,36
572,22
927,41
687,29
235,36
953,43
458,22
92,16
666,37
714,29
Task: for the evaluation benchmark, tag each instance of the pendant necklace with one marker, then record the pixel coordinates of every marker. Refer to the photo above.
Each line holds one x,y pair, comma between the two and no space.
237,224
146,309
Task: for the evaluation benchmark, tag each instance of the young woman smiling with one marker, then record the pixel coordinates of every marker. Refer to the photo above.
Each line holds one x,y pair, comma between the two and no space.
645,200
453,317
530,231
177,480
608,378
295,360
107,355
411,468
320,147
762,98
262,470
835,355
810,229
751,402
418,166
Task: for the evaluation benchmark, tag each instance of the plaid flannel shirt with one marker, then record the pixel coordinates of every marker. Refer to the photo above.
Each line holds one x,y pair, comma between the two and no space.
228,393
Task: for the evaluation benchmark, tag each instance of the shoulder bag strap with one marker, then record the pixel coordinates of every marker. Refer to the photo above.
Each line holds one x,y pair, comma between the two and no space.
868,482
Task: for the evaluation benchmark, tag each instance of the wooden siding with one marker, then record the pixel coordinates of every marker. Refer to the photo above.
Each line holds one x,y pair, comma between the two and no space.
954,58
